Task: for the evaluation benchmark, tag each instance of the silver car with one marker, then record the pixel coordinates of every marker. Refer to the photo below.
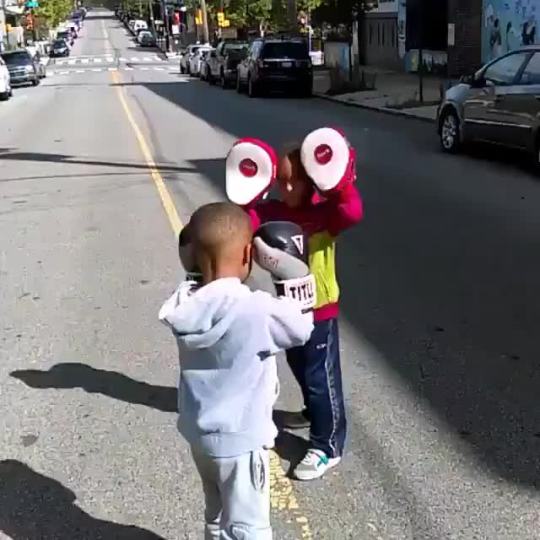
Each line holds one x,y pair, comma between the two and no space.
499,104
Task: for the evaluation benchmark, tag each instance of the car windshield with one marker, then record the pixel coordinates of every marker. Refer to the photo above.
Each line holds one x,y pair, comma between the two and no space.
285,50
229,47
17,58
63,35
59,43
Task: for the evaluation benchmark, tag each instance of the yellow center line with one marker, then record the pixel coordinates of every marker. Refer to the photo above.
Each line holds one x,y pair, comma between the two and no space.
282,496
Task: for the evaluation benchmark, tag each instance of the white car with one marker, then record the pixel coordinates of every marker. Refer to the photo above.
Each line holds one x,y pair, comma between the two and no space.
195,62
139,25
5,82
187,55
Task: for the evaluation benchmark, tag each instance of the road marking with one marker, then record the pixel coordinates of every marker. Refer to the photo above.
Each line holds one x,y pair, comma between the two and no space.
97,60
282,496
85,60
60,62
159,69
72,61
127,68
113,69
134,58
144,69
165,196
97,70
122,59
147,59
63,73
80,71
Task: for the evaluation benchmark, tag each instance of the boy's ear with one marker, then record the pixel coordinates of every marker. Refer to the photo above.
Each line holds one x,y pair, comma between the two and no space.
248,254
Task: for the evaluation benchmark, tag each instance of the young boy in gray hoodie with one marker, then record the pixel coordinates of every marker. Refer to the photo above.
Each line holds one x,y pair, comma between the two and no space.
228,336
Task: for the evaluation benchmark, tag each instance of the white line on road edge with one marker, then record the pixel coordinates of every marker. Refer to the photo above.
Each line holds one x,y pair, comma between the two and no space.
122,59
80,71
97,70
63,73
85,60
128,68
147,59
134,58
71,62
97,60
159,69
144,69
113,69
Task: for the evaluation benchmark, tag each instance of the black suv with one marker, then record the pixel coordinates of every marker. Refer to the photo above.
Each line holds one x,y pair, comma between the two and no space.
276,63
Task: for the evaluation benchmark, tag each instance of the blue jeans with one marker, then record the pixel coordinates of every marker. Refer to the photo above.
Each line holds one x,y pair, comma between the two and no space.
316,366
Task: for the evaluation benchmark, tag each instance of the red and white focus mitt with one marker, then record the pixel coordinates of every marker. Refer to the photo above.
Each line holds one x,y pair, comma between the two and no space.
329,159
250,171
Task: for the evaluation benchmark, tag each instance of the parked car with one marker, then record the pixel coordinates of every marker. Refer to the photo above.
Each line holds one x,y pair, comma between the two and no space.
66,36
5,82
22,67
138,25
146,39
223,62
59,48
37,60
186,56
499,104
273,63
196,60
203,70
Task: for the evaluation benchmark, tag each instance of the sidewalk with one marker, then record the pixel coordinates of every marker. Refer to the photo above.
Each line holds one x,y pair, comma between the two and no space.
395,93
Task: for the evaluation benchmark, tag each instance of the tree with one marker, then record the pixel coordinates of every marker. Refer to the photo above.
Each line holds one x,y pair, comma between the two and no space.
52,12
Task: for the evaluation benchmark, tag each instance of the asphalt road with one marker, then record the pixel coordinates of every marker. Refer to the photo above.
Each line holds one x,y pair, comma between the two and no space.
440,303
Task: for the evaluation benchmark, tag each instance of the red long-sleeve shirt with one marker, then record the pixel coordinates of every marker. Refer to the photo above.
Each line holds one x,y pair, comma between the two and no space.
322,220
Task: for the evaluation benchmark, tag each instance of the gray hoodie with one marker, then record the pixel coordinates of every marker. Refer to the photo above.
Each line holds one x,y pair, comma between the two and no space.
228,336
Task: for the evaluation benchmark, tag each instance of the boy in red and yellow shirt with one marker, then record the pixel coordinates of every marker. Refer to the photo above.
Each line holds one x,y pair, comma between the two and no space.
316,365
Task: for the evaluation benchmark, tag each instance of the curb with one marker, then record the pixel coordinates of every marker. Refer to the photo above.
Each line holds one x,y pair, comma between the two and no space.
384,110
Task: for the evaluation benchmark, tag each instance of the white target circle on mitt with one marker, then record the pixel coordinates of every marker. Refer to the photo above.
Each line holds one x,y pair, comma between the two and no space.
326,156
250,171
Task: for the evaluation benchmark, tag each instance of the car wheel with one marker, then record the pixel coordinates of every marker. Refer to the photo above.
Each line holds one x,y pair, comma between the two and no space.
450,132
35,82
5,95
252,88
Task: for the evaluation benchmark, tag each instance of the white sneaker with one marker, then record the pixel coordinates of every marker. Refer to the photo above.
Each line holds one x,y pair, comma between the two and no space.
314,465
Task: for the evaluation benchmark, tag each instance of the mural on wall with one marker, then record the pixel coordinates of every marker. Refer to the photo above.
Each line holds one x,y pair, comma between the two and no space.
508,24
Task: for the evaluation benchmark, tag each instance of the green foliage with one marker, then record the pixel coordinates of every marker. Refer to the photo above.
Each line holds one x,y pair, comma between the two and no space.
52,12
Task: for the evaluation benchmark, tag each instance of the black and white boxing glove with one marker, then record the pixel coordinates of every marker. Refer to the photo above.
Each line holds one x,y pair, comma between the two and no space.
186,256
281,248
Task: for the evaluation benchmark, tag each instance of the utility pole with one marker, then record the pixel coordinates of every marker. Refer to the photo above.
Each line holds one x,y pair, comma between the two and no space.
206,37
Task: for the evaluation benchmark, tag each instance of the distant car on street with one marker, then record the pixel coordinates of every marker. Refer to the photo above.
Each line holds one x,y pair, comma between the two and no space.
59,48
499,104
22,67
66,36
146,39
196,61
186,57
274,63
5,83
223,62
138,25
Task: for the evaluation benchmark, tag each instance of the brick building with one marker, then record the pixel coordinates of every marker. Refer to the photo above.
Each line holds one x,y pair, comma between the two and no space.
465,27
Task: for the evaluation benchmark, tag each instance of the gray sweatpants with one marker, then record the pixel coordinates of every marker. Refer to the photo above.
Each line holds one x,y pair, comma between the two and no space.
237,496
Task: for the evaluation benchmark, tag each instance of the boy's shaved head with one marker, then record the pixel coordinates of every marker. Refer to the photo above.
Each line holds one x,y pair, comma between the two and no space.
216,227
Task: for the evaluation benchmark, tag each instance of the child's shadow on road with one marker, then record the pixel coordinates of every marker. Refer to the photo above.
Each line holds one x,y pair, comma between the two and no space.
35,506
289,447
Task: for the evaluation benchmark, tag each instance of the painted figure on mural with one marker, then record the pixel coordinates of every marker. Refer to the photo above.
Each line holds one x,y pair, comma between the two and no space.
508,24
